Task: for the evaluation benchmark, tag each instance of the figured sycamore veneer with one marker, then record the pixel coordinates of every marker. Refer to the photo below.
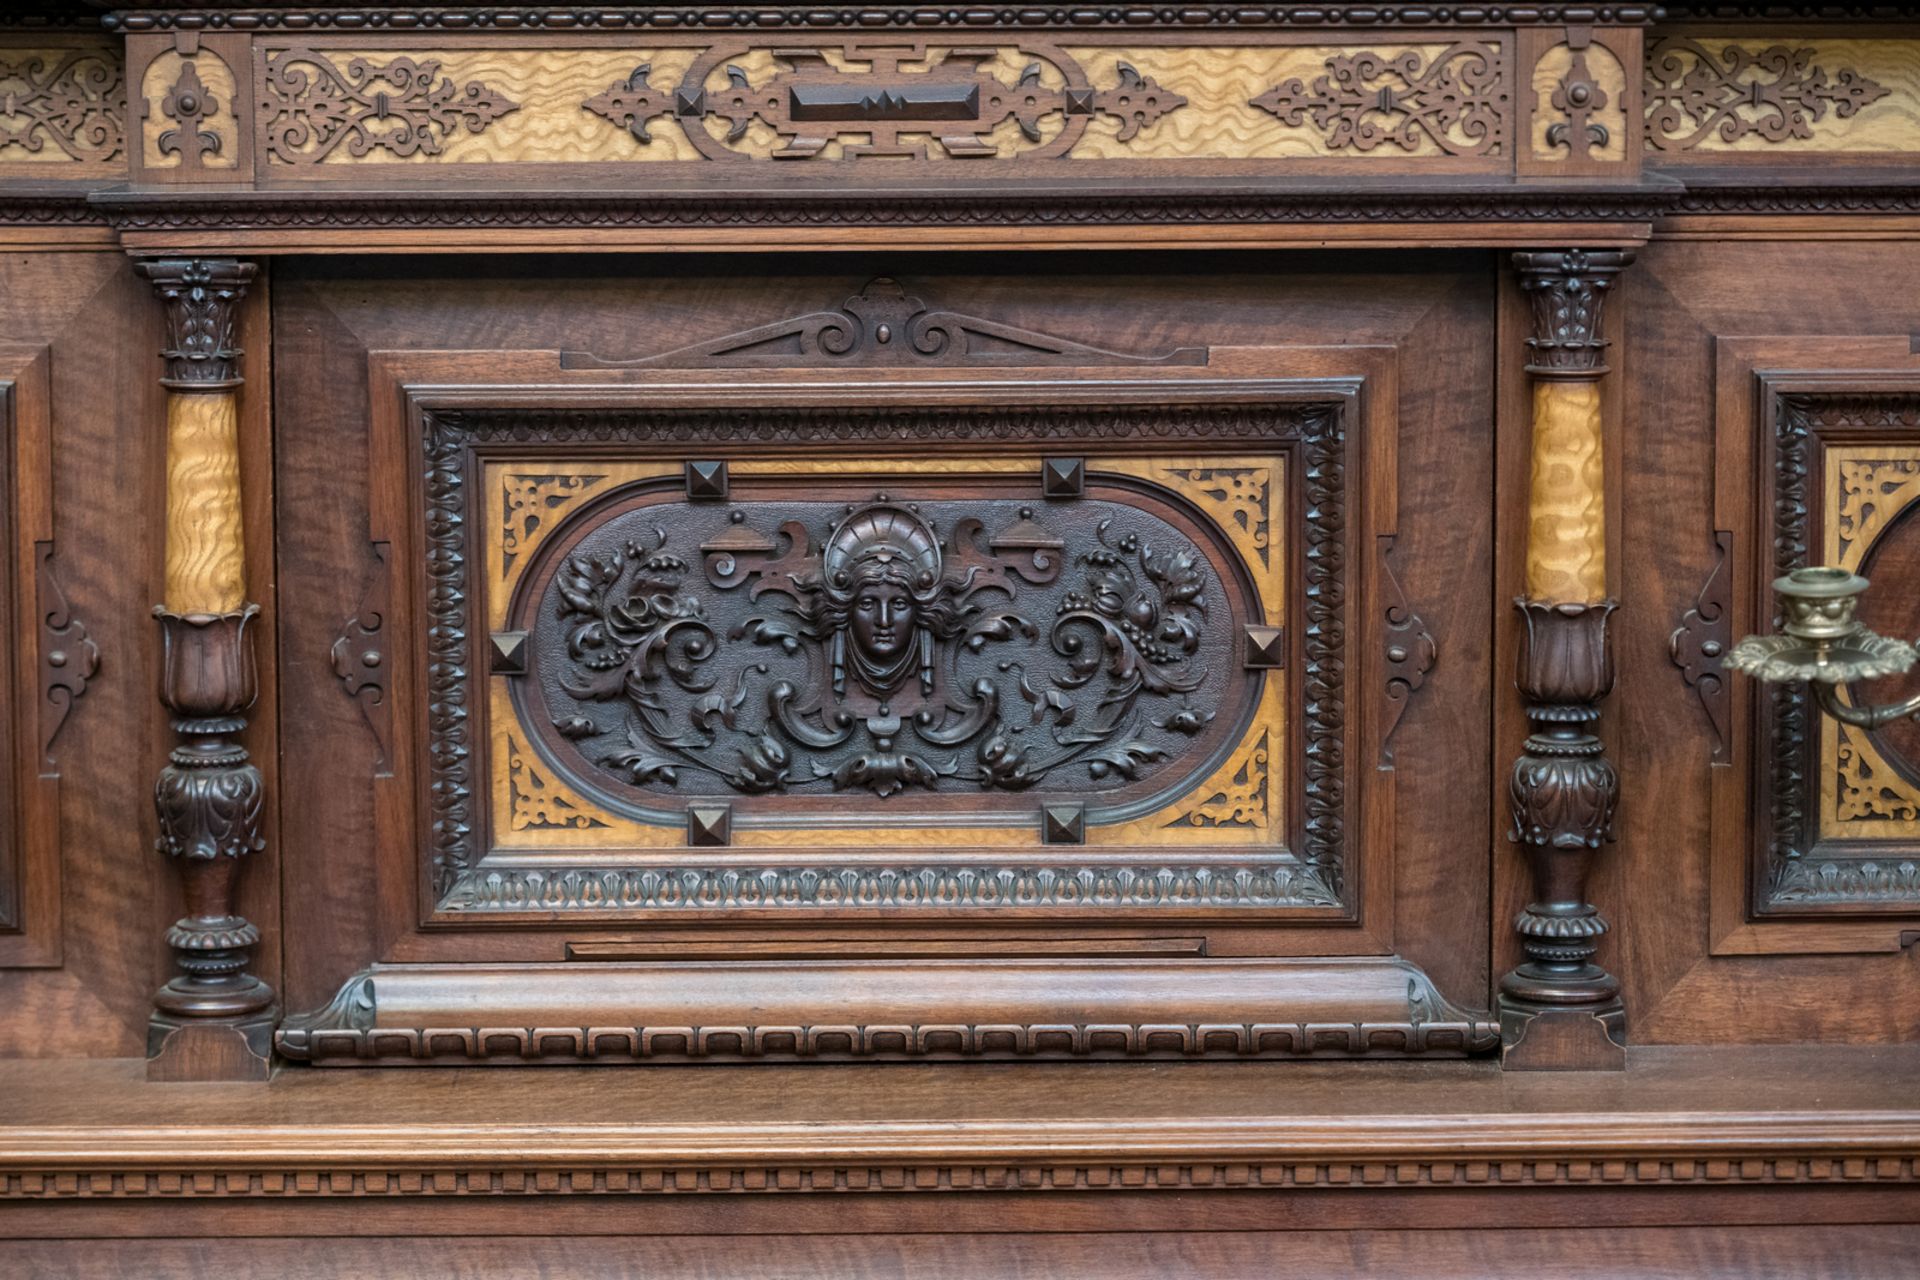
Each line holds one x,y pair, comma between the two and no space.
206,559
1567,536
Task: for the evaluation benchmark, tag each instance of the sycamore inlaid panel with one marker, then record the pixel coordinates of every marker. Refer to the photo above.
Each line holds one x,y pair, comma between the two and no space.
1863,794
1029,582
1709,94
878,99
206,564
1567,533
189,113
1580,105
63,105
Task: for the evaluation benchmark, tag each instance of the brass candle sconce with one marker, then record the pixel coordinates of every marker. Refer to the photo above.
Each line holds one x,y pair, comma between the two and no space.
1822,643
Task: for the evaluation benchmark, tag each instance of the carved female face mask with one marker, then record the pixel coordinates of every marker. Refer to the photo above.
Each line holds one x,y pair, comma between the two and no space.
883,619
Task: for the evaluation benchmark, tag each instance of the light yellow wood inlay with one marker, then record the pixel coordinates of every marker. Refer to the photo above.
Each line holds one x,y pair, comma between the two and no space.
1567,528
1220,121
1862,795
1241,803
1809,92
206,554
63,102
550,124
216,80
1603,70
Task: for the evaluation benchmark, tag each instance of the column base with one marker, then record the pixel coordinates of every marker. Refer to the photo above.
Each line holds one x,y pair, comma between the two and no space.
1537,1037
211,1049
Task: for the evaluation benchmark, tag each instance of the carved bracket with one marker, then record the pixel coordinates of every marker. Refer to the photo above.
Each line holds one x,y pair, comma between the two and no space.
1700,643
361,659
68,656
1408,649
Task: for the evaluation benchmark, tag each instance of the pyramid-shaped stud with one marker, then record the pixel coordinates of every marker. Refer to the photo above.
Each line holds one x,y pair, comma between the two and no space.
507,652
709,825
706,481
1063,477
690,102
1265,647
1080,101
1063,823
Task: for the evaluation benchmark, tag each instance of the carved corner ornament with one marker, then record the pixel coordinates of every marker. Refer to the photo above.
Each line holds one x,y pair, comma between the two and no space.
1408,649
68,656
1699,647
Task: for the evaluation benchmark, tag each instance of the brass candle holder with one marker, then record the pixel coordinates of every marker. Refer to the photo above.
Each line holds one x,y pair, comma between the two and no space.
1822,643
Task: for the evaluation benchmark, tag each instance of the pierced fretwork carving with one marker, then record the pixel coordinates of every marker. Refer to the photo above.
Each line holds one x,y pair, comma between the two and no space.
68,655
313,106
1452,102
903,100
1774,94
885,325
1699,646
72,100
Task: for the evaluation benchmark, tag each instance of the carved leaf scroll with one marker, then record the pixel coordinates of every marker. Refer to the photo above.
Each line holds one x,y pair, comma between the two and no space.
70,101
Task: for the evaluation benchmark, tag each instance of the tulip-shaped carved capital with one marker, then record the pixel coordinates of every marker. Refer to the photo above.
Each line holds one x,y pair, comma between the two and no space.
1567,657
206,665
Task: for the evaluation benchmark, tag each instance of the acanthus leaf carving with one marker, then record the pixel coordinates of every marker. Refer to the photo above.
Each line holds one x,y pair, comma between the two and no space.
1368,100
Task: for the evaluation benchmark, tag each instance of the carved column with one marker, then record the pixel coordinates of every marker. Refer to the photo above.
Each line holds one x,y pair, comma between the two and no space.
214,1020
1558,1009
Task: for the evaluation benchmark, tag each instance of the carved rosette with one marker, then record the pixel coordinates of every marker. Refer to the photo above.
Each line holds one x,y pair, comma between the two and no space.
202,298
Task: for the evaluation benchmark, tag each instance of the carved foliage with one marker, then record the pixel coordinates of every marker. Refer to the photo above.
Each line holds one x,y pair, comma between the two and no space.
202,299
74,101
1453,102
1568,291
885,325
891,100
1695,96
463,886
313,106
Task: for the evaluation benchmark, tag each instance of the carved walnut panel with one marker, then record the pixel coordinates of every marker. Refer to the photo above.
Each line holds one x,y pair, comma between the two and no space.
1844,805
1064,660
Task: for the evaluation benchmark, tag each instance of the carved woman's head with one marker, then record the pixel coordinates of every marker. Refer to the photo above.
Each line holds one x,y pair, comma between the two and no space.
882,597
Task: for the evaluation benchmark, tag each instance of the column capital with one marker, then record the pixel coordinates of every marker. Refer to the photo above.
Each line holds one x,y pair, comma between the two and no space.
1568,289
202,298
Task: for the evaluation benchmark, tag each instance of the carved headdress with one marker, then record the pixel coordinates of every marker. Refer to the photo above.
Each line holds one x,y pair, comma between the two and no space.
883,542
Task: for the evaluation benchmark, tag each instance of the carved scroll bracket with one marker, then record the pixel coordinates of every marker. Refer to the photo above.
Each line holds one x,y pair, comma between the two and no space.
1699,646
361,659
1407,648
68,656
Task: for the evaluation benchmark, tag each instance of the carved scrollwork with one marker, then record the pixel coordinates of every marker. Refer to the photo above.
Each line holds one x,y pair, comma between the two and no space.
68,656
72,100
1408,649
904,100
1699,646
314,106
1451,101
885,325
879,610
361,660
1695,96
